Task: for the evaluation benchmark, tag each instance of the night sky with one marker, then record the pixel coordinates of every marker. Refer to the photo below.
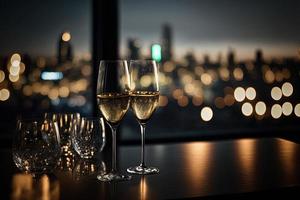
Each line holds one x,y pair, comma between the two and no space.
204,26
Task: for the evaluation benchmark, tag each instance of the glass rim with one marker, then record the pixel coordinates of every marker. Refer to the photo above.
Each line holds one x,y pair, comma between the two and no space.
113,61
143,60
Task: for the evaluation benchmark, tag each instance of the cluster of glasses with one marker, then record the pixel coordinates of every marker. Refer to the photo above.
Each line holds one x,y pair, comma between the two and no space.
45,144
42,144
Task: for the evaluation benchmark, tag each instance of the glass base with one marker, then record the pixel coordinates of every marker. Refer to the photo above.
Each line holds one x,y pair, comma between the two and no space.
113,176
143,170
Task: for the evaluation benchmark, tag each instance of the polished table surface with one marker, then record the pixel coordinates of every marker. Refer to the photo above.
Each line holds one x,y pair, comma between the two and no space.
187,170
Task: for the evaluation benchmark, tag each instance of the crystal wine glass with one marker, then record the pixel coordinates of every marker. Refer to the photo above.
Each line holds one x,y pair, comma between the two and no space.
88,137
144,101
113,102
36,146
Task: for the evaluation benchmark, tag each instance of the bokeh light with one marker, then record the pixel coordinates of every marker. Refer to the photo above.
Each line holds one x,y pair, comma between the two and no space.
287,108
4,94
276,93
250,93
66,36
13,78
269,76
239,94
247,109
287,89
197,101
206,114
229,100
260,108
238,74
206,79
15,57
163,101
219,102
297,110
2,76
276,111
183,101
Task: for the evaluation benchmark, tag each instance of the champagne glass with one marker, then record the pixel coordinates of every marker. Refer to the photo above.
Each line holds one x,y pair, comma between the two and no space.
144,100
36,145
113,102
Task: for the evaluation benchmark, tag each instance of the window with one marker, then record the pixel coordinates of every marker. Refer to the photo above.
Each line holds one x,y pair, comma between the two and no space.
45,58
226,66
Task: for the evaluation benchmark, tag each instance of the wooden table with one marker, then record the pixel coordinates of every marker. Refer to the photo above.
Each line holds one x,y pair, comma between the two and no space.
212,169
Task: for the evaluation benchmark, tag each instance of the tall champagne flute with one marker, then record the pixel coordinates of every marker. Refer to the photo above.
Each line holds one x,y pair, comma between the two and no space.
113,102
144,100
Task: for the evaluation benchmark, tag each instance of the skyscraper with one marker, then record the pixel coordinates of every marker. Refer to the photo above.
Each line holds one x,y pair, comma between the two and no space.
166,43
134,49
64,48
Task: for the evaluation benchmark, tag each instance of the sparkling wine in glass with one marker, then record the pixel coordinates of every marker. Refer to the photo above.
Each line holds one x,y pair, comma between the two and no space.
144,101
113,102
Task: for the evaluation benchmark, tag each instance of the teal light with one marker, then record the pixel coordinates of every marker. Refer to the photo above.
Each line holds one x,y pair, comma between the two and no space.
156,52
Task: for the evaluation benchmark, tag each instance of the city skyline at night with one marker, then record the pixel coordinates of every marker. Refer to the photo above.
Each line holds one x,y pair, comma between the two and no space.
214,26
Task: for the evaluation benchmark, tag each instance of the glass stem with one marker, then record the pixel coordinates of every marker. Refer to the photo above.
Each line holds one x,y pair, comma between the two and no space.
143,129
114,148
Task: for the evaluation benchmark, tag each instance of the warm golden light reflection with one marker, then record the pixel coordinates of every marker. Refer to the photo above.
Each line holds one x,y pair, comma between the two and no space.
25,187
287,108
66,36
219,102
143,188
4,94
250,93
206,114
276,93
288,156
260,108
239,94
269,76
2,76
197,159
297,110
238,74
246,153
276,111
183,101
247,109
287,89
22,186
206,79
163,101
229,100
